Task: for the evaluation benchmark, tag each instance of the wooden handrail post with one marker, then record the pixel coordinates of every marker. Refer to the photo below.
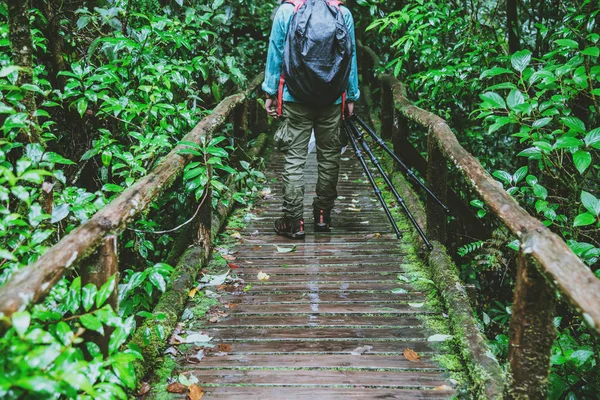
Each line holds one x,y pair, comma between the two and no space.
240,121
532,333
205,218
387,111
437,182
98,272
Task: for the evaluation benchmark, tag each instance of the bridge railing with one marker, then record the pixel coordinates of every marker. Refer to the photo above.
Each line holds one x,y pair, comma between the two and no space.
31,284
546,266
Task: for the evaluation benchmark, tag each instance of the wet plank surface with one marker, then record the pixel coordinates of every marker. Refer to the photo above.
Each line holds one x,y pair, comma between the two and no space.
326,324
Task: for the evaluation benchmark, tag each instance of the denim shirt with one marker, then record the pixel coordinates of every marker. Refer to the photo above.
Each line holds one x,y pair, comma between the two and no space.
274,68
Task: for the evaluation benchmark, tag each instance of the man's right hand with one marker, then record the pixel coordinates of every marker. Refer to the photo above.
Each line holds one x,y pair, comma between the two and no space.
270,106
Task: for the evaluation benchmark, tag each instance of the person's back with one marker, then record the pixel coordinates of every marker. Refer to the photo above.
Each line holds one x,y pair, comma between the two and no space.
303,114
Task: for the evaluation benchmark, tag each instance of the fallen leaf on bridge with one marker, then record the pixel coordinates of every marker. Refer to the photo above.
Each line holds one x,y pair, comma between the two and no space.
411,355
286,249
233,266
262,276
196,358
224,347
193,292
195,393
228,257
144,389
361,350
236,235
443,387
176,387
371,236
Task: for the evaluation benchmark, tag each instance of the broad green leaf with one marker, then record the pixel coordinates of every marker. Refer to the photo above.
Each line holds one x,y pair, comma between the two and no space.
494,72
503,176
515,98
574,123
105,291
592,139
125,373
591,51
91,322
581,356
520,60
540,123
59,213
565,142
584,219
590,202
571,44
540,191
158,281
520,174
88,296
493,99
21,321
582,160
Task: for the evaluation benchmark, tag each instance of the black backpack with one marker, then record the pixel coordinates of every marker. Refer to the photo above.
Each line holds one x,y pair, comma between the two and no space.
318,52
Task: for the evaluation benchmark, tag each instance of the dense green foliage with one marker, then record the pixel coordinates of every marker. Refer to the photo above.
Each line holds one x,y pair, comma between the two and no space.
530,114
129,79
114,88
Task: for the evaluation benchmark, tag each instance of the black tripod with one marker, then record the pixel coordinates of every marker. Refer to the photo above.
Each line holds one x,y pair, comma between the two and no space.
384,146
356,137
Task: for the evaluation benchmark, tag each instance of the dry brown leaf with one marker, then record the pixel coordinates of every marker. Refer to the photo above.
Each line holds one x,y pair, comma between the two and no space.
144,389
233,266
411,355
228,257
262,276
236,235
193,292
256,248
224,347
195,392
443,387
176,387
214,319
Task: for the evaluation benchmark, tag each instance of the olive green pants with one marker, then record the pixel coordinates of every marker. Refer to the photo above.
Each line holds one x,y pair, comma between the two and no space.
292,139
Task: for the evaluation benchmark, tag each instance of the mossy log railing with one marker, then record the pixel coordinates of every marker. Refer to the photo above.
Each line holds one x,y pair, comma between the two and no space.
31,284
545,261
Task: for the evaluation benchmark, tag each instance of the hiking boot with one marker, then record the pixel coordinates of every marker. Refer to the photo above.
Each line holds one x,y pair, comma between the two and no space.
322,220
289,227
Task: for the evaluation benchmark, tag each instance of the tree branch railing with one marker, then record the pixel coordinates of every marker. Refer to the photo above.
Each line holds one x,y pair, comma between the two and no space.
545,261
31,284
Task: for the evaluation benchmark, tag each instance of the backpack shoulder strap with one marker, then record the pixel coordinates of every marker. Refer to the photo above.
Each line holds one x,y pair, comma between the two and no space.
296,3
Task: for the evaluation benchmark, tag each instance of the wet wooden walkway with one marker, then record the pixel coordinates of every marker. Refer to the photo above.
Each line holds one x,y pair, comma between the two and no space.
326,324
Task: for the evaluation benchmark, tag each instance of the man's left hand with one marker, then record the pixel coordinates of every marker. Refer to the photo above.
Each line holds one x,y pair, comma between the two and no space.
350,108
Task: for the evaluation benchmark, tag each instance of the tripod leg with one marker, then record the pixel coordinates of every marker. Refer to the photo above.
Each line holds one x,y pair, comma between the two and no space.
389,183
363,163
385,147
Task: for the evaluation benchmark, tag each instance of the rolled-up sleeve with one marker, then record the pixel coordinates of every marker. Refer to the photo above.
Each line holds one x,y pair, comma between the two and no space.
275,53
352,91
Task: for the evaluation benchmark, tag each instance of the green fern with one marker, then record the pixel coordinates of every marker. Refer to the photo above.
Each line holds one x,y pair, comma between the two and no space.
470,247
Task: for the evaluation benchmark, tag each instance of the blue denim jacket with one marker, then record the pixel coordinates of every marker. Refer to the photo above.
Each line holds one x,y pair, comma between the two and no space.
274,68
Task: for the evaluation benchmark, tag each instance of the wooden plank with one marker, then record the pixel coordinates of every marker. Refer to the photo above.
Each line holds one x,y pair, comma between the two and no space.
408,334
338,297
271,249
319,277
327,287
314,308
331,270
330,346
313,321
322,261
392,362
303,253
385,237
272,393
404,379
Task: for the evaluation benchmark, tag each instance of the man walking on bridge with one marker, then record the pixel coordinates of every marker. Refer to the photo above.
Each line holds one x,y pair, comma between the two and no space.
311,79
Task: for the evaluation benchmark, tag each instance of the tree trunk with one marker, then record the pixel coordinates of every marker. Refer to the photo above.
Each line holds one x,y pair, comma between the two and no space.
512,25
22,48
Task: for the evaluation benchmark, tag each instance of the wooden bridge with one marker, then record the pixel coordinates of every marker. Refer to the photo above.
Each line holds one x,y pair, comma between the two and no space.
346,314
